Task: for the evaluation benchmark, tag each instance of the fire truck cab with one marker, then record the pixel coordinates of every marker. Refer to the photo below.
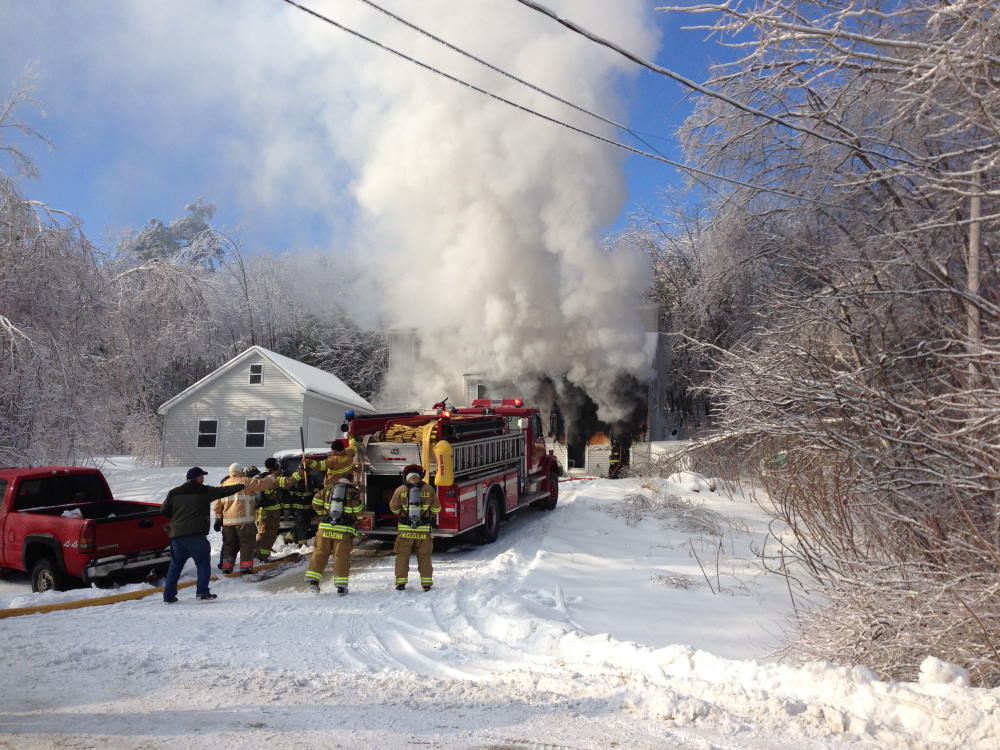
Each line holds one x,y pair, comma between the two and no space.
486,462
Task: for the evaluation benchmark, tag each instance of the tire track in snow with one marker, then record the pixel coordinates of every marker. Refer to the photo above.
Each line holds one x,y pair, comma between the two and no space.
366,643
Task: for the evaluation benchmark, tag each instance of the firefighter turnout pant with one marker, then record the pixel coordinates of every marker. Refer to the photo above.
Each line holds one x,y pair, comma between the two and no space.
268,523
240,538
334,542
421,543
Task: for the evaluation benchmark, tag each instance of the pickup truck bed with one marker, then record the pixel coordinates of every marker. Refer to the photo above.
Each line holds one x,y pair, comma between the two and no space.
61,523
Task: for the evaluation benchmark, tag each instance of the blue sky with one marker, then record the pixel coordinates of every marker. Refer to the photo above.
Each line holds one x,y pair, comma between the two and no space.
139,133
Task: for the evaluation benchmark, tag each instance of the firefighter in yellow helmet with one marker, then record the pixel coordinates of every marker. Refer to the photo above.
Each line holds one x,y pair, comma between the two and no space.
415,502
340,509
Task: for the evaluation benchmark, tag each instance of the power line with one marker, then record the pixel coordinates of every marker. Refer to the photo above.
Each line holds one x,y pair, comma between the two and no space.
581,131
635,134
492,67
697,86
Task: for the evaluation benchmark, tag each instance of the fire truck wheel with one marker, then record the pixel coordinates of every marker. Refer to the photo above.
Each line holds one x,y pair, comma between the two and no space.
490,529
46,576
549,503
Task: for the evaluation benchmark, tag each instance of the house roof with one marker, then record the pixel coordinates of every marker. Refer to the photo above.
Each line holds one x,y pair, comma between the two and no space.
311,379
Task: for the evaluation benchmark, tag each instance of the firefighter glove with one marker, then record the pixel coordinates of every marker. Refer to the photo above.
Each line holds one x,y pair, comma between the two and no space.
218,524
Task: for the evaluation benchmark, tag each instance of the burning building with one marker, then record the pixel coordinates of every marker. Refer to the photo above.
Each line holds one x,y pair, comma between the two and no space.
576,433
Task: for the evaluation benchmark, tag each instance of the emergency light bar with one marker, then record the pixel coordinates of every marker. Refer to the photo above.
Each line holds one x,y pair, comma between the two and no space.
498,402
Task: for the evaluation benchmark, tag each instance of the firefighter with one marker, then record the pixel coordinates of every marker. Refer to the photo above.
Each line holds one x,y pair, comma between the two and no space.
299,502
340,507
269,505
339,463
415,502
615,460
234,517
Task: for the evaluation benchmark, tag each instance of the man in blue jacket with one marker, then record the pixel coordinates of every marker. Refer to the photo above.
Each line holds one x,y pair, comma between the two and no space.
188,507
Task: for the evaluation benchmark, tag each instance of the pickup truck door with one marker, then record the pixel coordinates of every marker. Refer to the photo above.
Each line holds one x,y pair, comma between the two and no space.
3,518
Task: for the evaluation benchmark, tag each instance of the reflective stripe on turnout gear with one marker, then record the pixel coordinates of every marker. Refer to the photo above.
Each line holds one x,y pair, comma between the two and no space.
421,532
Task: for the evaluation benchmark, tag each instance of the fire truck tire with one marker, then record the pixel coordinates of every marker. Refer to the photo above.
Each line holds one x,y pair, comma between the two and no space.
46,576
490,529
549,503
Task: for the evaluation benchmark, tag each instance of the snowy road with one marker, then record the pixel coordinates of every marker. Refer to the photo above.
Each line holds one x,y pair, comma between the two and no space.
579,628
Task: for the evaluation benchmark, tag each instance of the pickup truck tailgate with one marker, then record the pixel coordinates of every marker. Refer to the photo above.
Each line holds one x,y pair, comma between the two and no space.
136,527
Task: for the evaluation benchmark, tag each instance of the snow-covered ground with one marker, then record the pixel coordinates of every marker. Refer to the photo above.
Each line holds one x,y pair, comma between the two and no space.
633,616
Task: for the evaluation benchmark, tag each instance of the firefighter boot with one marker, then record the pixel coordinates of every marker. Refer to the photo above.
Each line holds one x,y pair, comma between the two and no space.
341,590
400,587
314,586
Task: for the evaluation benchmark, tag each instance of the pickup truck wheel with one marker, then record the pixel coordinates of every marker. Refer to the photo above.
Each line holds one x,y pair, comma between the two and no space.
490,529
46,576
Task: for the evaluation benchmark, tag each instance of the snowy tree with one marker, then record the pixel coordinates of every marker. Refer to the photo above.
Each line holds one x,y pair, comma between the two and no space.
189,239
870,136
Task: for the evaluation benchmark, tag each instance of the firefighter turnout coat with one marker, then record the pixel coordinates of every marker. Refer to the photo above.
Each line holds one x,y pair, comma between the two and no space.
336,465
241,507
429,505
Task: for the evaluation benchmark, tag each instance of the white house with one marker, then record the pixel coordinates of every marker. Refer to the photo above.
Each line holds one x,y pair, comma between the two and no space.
253,407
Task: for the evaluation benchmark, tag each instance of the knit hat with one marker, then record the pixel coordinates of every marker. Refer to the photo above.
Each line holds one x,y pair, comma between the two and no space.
235,468
336,445
271,463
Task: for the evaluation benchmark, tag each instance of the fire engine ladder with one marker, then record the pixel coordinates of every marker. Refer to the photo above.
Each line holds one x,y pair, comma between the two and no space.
488,453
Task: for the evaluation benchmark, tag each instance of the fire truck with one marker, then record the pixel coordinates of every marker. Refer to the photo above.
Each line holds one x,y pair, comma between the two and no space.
486,462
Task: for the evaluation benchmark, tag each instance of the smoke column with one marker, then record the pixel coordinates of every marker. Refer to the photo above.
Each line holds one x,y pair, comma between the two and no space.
486,218
476,223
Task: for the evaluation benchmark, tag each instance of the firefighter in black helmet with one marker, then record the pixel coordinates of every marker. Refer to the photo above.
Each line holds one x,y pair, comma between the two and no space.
269,505
615,460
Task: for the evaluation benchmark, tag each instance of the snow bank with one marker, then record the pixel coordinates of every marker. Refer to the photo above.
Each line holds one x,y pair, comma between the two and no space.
632,616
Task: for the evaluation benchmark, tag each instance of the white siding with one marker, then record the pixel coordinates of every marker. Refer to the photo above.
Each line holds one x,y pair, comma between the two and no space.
316,410
230,399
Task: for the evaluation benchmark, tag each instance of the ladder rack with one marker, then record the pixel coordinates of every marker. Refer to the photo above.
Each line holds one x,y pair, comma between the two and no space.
487,453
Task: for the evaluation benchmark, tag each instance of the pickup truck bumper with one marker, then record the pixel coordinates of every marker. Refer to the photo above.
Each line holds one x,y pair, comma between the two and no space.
109,566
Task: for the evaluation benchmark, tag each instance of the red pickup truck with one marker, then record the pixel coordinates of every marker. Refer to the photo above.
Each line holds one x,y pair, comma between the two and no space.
61,524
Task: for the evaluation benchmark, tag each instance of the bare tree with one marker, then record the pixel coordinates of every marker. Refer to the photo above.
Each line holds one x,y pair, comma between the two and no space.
868,374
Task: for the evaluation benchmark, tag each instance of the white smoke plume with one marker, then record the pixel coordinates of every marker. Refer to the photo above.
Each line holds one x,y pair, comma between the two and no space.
491,217
475,223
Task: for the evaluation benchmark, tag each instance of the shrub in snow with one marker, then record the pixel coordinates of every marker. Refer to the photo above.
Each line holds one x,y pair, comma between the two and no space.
933,671
851,342
670,510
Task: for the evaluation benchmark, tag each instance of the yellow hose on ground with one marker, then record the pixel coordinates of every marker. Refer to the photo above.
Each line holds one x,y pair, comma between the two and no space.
113,598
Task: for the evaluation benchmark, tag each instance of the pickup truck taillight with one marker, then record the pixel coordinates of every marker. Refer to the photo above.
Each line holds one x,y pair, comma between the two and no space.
87,538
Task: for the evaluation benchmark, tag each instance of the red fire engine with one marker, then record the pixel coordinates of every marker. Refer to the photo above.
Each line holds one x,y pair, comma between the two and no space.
486,461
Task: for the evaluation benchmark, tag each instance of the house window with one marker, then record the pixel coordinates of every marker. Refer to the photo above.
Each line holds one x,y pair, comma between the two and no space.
256,374
208,433
255,433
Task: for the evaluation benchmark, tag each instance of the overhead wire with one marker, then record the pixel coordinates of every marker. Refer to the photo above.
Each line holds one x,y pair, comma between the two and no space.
634,133
639,152
684,81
